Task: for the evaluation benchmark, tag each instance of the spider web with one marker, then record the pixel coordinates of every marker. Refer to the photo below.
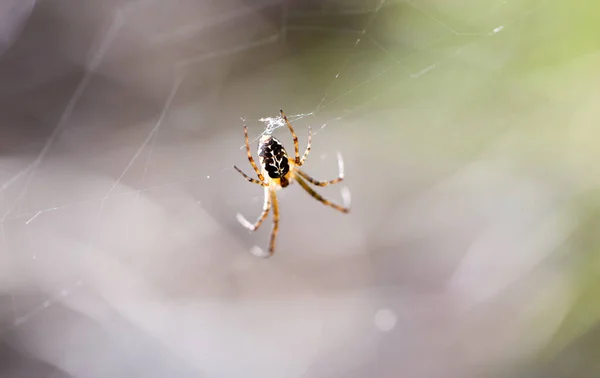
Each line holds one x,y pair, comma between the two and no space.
119,189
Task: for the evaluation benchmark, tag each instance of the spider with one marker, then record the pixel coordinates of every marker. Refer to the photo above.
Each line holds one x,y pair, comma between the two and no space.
280,171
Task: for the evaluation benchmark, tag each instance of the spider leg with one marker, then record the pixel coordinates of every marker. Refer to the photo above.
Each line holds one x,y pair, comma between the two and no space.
319,197
307,147
275,204
297,153
261,218
255,181
328,182
260,176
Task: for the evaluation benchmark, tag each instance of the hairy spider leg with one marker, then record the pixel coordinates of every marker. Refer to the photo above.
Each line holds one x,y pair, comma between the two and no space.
260,176
275,204
319,197
249,153
313,181
307,151
252,180
296,151
261,217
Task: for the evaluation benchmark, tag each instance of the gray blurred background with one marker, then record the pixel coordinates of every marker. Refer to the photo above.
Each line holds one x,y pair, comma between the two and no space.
469,131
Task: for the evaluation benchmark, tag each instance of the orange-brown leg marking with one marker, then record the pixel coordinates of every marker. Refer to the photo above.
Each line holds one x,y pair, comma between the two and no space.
260,176
261,218
307,151
275,205
316,182
327,182
255,181
297,153
319,197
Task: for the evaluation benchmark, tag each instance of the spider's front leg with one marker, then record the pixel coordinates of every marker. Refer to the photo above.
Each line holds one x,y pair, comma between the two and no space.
252,180
261,180
308,144
296,151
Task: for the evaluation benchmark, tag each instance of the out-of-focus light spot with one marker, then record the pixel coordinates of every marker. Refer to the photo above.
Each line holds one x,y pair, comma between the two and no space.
346,196
385,320
243,221
340,164
498,29
259,252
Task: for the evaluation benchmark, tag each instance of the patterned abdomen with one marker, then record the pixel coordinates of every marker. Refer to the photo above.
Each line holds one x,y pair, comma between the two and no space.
273,157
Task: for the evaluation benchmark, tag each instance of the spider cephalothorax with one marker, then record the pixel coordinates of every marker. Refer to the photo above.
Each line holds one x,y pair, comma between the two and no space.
280,171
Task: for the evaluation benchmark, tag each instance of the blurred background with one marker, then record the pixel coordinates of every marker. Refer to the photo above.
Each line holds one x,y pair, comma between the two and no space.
469,131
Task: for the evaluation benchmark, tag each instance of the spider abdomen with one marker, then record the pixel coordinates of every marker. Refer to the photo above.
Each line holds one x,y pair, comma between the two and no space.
273,157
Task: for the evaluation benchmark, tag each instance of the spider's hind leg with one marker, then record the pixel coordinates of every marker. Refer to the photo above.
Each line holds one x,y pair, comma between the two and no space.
261,217
250,158
275,204
320,198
